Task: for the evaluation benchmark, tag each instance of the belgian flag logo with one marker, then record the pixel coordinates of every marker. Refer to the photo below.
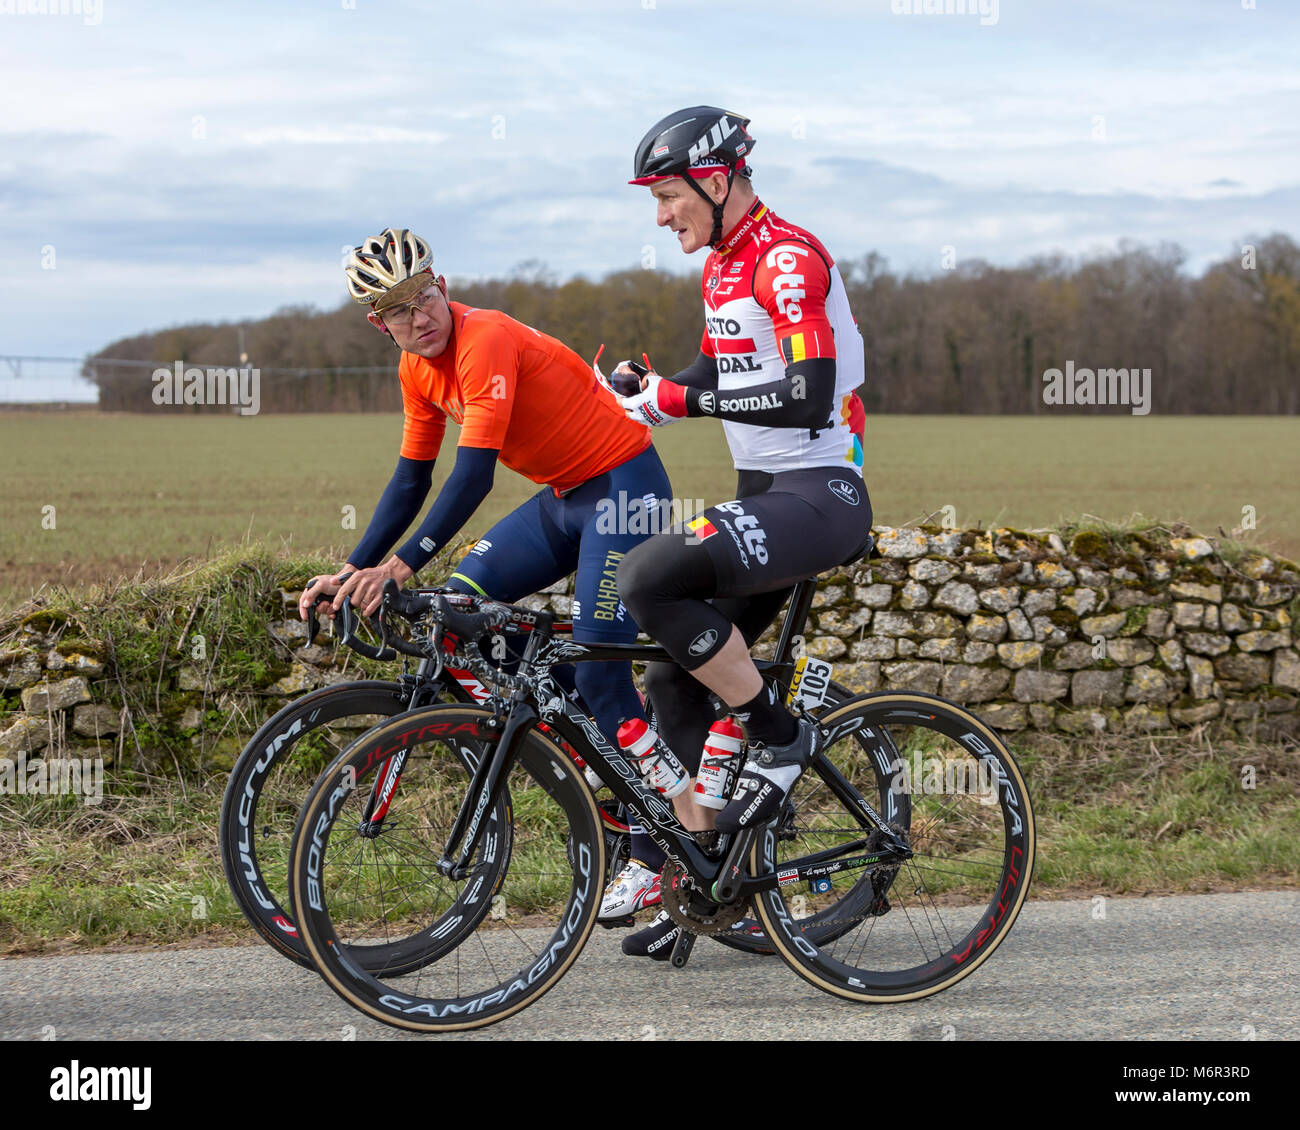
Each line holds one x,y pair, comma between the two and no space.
793,349
702,528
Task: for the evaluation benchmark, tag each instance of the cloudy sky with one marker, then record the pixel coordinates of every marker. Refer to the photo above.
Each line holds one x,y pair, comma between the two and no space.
164,162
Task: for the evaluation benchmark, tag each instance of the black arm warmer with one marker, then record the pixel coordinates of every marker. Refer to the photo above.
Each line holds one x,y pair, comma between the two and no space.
398,506
466,487
701,373
775,404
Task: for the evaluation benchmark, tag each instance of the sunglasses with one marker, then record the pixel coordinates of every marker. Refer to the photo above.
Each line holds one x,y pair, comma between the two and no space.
400,315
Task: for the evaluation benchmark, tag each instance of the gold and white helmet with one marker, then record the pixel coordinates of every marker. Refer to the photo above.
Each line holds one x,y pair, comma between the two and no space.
383,262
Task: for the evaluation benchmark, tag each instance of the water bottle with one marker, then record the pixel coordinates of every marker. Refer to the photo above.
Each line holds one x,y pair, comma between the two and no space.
593,779
718,764
654,760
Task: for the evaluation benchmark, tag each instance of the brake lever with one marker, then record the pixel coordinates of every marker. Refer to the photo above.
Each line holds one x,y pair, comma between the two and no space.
391,595
435,642
313,623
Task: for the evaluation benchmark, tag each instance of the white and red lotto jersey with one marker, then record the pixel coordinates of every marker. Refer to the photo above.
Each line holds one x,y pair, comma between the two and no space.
773,296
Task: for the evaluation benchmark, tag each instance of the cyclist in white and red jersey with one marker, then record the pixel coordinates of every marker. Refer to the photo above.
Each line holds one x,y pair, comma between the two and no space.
779,361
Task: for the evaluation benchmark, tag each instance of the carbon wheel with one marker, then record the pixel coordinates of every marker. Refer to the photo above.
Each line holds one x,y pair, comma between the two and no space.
934,918
512,941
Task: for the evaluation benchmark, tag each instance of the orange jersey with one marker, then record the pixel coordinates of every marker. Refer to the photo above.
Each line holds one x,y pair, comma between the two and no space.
518,391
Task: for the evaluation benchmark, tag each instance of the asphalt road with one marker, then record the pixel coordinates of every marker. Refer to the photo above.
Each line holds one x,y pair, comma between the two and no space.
1186,967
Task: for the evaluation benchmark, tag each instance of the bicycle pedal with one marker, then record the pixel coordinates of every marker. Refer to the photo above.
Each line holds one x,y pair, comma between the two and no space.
617,923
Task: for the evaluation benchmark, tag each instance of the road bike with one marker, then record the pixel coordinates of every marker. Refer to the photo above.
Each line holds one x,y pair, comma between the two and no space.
464,841
277,767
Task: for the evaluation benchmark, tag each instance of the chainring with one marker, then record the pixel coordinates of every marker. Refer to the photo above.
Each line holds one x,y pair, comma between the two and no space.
682,902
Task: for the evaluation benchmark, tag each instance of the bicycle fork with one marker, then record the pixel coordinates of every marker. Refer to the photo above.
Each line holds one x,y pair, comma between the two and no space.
485,790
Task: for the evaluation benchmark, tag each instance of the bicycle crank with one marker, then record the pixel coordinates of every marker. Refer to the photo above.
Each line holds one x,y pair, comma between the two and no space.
693,911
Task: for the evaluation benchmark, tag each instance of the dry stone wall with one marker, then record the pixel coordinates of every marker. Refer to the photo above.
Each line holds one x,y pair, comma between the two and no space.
1137,632
1083,633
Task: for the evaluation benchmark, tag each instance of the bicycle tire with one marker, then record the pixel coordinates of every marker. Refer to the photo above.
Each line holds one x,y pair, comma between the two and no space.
948,907
260,807
555,873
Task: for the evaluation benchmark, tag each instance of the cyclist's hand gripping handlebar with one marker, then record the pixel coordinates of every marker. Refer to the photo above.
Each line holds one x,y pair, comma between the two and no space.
347,621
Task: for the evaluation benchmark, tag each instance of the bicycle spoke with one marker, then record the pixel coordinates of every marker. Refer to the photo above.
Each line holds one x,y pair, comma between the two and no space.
929,920
452,942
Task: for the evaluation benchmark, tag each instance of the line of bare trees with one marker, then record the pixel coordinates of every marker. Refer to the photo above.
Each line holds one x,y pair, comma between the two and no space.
974,339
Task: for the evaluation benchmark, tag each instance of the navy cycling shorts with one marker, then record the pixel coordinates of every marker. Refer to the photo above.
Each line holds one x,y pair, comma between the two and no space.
588,531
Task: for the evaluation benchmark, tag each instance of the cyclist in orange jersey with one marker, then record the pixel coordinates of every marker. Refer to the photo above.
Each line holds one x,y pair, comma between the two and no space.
528,401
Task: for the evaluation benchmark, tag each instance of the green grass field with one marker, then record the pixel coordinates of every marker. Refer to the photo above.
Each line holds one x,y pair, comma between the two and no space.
133,489
1116,813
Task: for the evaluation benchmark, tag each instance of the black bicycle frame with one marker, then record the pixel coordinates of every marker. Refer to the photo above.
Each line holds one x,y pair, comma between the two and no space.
722,877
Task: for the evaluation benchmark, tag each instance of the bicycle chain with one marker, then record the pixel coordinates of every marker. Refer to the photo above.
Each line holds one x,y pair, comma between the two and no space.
677,890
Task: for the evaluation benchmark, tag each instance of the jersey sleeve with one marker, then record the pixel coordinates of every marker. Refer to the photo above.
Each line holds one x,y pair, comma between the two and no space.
791,282
423,422
856,412
488,374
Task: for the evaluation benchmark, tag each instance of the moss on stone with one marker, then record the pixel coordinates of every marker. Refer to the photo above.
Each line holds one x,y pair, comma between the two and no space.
1135,619
44,620
1197,571
221,757
89,649
1090,544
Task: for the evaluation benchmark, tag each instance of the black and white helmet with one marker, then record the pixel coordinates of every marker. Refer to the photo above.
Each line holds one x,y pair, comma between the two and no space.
692,144
704,138
383,261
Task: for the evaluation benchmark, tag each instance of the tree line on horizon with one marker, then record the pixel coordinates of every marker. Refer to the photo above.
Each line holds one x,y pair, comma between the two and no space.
976,339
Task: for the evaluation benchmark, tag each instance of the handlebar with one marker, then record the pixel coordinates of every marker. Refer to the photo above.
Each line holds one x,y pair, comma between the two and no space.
433,610
347,624
466,625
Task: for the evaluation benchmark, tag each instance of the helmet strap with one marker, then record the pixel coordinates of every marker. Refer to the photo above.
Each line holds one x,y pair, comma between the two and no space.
718,206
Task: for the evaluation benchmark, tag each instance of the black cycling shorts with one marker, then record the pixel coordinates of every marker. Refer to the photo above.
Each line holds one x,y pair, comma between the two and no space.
780,529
